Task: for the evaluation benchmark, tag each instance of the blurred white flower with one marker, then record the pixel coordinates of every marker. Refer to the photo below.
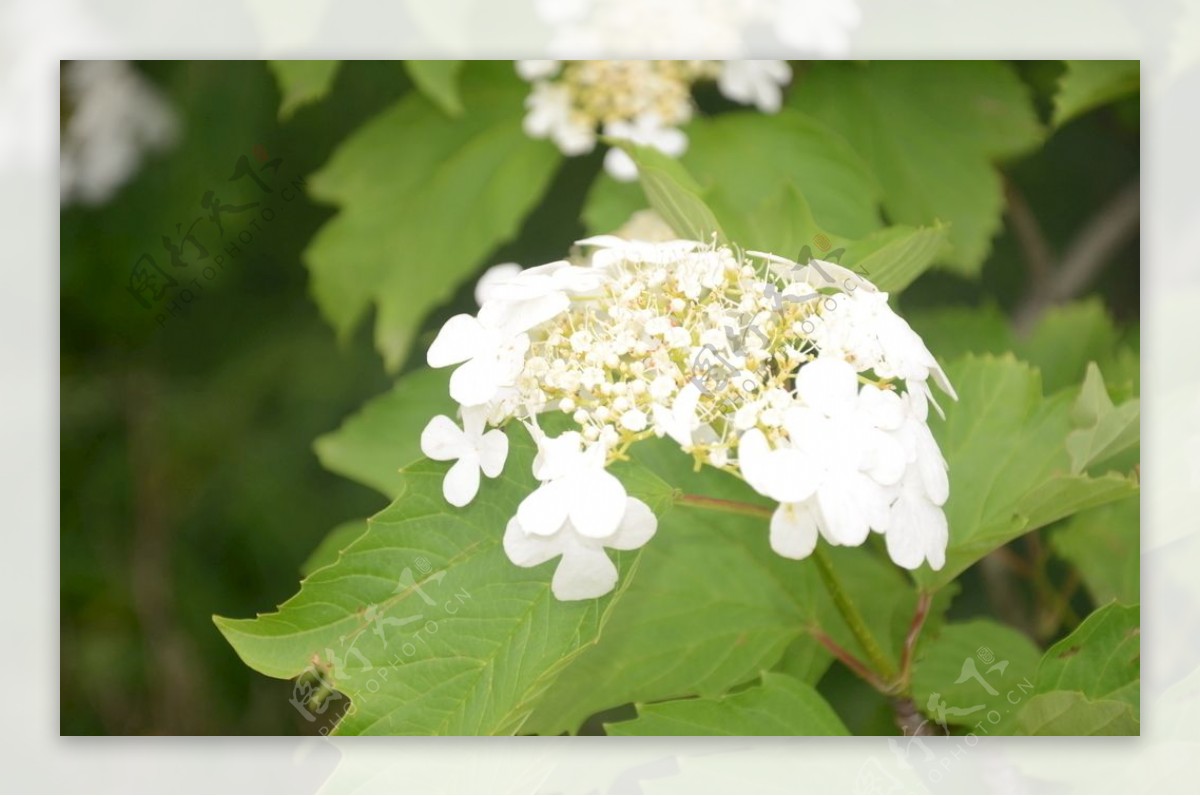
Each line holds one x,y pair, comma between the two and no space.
646,130
116,117
646,102
585,571
817,27
551,115
680,28
442,440
757,83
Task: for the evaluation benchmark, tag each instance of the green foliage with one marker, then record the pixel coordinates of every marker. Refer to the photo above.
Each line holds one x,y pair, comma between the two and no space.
780,223
972,668
673,194
781,705
728,171
422,199
930,134
331,546
422,622
1104,545
374,445
1102,430
1009,466
1089,683
1089,84
302,83
438,80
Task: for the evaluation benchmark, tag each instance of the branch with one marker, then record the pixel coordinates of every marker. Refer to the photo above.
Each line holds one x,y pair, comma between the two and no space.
924,601
1028,232
1091,250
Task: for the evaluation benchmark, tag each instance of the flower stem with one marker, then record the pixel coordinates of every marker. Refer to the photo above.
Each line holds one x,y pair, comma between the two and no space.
852,617
883,672
727,506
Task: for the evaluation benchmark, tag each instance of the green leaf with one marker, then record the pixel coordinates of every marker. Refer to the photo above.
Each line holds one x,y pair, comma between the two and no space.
749,159
972,668
423,199
1102,430
1089,84
1071,713
332,545
302,83
672,193
782,224
384,437
805,659
682,629
1009,468
423,622
438,80
930,131
893,258
1104,544
953,332
1089,683
1101,658
782,705
1066,340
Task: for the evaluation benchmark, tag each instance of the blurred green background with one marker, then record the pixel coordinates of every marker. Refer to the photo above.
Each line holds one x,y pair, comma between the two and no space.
189,485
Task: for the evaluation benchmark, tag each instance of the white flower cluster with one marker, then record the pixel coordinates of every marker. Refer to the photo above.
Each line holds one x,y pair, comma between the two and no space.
117,117
798,378
645,102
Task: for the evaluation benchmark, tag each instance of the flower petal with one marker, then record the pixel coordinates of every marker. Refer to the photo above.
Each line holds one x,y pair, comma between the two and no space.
583,574
544,511
918,532
619,165
476,381
793,476
794,530
493,451
843,520
462,481
443,440
597,503
638,526
828,385
529,550
458,341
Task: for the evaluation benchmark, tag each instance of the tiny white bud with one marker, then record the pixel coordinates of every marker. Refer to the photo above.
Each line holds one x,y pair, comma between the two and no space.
634,420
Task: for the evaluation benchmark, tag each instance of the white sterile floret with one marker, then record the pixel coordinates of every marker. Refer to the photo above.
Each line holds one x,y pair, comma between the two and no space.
758,83
442,440
585,571
491,357
574,486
